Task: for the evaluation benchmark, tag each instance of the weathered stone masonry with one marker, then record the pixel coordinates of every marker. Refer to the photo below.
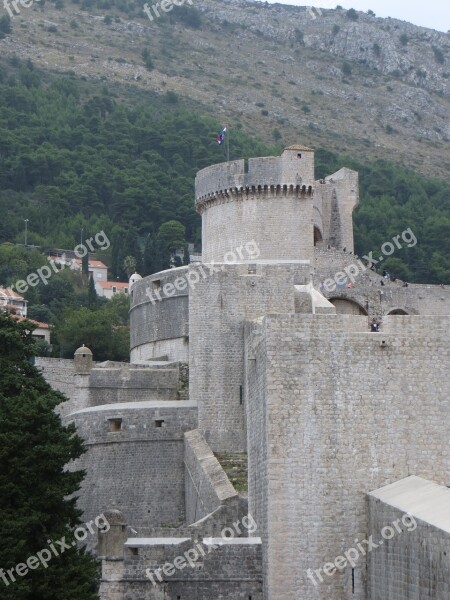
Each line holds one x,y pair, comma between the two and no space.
290,373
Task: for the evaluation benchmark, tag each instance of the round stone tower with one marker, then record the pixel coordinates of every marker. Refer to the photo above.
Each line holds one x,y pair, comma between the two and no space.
268,202
82,360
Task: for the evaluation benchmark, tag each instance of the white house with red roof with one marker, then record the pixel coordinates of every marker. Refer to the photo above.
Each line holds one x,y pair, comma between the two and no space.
97,268
12,302
42,331
108,289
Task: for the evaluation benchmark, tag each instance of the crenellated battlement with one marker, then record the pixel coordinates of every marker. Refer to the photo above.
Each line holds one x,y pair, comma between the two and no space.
293,170
240,193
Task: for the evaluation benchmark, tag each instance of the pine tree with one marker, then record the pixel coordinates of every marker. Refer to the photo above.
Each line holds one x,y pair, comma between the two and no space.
186,257
170,237
150,264
34,486
92,293
85,264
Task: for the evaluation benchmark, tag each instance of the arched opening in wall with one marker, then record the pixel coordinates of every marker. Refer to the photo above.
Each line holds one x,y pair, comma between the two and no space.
318,240
348,307
398,311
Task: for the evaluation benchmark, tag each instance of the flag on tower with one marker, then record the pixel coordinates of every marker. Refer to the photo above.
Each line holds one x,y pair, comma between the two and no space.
221,136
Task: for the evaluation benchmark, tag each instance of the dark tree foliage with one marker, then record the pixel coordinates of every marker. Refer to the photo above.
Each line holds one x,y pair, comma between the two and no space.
85,264
71,162
34,504
103,329
187,15
5,26
92,294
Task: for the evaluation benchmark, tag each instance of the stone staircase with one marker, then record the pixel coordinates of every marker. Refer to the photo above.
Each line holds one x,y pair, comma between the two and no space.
235,465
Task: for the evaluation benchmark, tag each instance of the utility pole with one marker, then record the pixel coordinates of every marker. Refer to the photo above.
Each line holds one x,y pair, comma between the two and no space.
26,230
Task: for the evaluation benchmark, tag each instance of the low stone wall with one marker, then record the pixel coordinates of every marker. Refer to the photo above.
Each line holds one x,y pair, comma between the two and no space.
175,349
132,384
414,563
218,570
367,295
207,484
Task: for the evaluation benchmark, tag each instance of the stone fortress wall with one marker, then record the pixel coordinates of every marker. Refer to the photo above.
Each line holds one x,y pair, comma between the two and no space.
231,571
280,367
218,308
335,411
207,486
132,418
367,296
159,322
276,198
220,566
108,383
62,376
139,447
160,328
335,198
417,551
295,167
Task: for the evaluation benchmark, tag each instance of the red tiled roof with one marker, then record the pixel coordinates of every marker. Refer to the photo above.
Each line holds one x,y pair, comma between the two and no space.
37,323
11,294
109,284
95,264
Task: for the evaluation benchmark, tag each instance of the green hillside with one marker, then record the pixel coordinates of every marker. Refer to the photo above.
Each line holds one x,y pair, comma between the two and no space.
73,157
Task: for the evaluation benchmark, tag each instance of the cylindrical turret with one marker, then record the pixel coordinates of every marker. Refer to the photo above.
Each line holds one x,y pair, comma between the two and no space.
82,360
111,539
269,204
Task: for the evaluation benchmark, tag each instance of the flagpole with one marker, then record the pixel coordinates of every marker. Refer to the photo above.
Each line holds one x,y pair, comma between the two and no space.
228,143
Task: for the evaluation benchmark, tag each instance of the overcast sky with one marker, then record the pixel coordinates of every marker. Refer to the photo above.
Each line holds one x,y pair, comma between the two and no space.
428,13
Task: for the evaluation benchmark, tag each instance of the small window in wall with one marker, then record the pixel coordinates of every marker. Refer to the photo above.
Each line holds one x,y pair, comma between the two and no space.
159,422
134,551
299,155
126,290
115,425
156,284
114,289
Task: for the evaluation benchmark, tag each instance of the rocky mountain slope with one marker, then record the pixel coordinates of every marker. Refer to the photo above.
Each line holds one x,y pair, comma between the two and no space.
361,85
